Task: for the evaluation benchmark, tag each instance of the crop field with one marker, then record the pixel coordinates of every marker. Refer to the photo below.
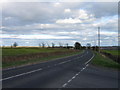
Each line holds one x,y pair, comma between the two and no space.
22,51
12,57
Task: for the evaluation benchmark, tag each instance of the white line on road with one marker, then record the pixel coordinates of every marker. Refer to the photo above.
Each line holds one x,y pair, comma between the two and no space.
80,70
21,74
31,71
64,85
90,59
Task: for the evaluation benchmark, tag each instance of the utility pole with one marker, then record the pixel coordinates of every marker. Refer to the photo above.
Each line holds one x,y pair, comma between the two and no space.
98,39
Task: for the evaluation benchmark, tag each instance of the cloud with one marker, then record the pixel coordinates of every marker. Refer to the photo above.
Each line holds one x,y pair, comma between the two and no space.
57,4
60,21
70,20
67,10
34,36
8,18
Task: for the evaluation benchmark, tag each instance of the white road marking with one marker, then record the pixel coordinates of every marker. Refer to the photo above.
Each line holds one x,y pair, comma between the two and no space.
87,65
81,69
70,80
64,62
21,74
33,71
74,76
64,85
89,59
78,72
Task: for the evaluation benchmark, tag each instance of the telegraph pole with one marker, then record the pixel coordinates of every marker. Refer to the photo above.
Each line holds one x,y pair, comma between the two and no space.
99,39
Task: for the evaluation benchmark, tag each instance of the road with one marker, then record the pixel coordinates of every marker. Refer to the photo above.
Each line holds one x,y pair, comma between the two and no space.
69,72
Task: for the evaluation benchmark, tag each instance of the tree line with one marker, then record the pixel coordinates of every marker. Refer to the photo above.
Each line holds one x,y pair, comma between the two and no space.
77,45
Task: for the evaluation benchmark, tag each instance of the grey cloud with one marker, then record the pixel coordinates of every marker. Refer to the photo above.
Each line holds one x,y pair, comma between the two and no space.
101,9
25,18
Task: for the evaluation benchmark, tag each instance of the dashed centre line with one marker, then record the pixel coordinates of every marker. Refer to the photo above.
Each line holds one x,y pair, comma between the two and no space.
64,85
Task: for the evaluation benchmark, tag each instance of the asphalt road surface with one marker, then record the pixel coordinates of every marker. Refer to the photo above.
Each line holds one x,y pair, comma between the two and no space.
70,72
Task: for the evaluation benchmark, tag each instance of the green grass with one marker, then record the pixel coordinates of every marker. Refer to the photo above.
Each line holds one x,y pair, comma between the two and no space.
22,51
37,60
104,61
113,52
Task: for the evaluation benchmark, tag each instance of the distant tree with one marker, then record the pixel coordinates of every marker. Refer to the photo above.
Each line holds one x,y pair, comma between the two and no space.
15,44
66,45
43,45
60,45
97,48
93,47
77,45
83,47
11,46
39,45
48,45
53,45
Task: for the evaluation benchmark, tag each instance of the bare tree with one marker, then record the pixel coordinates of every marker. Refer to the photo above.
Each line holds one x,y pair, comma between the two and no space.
60,44
43,44
11,46
53,45
66,45
48,45
39,45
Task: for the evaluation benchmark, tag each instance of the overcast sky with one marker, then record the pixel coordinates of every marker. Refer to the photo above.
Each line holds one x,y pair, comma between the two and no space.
29,24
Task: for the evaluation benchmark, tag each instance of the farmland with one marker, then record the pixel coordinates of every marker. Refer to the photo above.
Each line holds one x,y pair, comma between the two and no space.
23,51
21,56
113,52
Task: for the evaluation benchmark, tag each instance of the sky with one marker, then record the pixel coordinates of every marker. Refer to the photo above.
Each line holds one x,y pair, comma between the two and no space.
34,23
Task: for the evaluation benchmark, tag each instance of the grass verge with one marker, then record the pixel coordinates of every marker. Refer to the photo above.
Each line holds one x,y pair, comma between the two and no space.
101,60
36,60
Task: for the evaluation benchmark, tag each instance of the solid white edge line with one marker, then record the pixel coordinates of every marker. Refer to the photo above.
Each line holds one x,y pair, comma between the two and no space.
64,85
90,59
21,74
